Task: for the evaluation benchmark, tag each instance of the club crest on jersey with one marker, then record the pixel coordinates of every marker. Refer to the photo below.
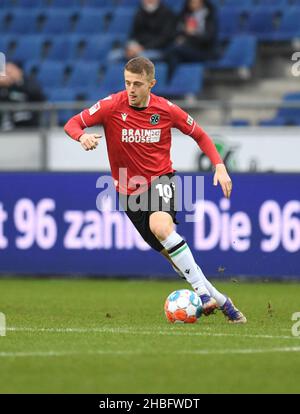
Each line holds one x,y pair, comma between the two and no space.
154,119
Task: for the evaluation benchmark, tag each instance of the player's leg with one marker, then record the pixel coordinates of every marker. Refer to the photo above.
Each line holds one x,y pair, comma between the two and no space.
225,304
162,226
166,255
220,298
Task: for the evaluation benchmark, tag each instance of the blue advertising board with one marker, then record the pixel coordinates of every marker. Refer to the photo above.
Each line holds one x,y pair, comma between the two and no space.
50,225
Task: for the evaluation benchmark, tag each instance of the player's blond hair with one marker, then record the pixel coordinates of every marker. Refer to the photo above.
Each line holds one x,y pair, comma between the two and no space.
140,65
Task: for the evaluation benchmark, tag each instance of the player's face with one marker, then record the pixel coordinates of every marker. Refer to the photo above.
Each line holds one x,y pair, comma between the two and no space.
138,87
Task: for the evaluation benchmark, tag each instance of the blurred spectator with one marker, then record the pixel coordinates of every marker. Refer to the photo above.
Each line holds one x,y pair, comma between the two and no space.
196,34
16,87
152,32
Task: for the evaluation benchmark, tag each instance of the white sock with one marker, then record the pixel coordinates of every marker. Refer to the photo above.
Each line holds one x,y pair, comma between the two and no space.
220,298
182,257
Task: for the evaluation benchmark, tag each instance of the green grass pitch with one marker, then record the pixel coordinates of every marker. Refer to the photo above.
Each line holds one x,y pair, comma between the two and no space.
90,336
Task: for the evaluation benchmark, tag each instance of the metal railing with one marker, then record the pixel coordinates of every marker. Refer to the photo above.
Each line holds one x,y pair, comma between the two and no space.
225,107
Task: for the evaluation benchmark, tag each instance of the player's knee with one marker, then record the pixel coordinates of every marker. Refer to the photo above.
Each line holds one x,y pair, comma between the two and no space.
161,230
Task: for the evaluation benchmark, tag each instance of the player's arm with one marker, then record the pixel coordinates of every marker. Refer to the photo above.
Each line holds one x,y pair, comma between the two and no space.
75,129
188,126
76,126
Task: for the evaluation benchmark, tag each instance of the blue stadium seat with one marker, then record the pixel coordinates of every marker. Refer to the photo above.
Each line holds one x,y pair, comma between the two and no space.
161,73
28,48
285,116
273,4
7,3
31,67
113,79
229,22
272,122
84,74
240,53
175,5
31,3
122,20
239,122
51,74
57,21
289,27
5,42
98,3
66,47
187,79
4,23
261,23
23,21
60,48
130,3
98,47
244,4
95,94
65,3
91,21
62,95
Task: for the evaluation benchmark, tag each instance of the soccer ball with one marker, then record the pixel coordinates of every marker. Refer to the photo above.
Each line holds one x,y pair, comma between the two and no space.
183,306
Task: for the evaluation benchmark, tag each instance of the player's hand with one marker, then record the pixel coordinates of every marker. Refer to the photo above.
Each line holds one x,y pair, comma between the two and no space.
223,178
89,141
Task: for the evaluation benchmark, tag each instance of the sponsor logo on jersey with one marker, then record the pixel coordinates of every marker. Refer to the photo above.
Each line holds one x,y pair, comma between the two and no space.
147,136
124,116
93,109
154,119
189,120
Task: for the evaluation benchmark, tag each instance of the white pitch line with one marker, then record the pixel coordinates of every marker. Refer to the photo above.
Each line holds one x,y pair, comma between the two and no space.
146,332
64,353
242,351
144,353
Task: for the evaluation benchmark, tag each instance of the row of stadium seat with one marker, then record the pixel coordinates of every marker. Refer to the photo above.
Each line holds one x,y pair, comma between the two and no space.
60,3
265,24
175,4
59,47
55,21
33,49
81,77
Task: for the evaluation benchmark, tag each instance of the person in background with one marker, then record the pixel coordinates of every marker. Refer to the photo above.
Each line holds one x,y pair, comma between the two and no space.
195,40
152,32
16,87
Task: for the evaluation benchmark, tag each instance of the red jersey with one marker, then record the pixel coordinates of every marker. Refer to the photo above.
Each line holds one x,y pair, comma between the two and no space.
139,140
